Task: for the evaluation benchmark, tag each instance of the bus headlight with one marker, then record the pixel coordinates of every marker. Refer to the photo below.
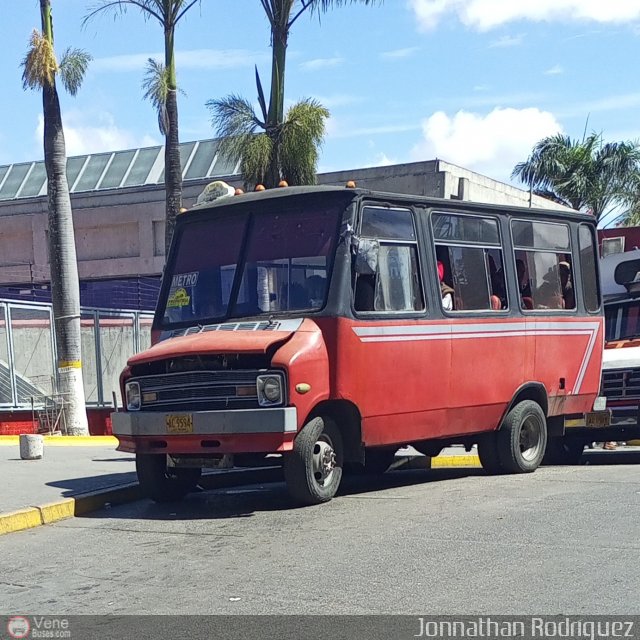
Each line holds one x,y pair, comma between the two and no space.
269,390
132,392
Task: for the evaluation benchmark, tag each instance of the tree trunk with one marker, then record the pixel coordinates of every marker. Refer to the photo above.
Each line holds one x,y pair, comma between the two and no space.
279,37
172,165
65,287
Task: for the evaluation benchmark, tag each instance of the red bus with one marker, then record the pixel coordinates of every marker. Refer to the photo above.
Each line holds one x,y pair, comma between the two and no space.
334,325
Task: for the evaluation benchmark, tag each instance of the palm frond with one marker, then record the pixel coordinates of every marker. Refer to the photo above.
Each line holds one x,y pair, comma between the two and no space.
261,100
301,137
73,67
39,66
235,122
255,156
587,174
319,7
156,89
149,9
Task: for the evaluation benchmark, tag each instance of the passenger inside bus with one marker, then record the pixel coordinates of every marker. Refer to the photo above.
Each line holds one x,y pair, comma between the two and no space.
315,286
568,294
446,291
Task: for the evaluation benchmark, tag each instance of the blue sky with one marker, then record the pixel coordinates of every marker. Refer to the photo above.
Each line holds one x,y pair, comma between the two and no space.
475,82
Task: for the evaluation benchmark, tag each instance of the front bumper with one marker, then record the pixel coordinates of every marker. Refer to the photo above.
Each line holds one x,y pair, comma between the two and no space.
206,423
209,433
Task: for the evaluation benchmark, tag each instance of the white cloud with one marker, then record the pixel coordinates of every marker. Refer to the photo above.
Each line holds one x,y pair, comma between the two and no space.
491,144
556,70
507,41
189,59
86,133
321,63
486,14
399,54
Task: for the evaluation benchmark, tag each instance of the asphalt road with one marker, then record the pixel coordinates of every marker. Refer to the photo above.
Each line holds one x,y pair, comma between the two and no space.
563,540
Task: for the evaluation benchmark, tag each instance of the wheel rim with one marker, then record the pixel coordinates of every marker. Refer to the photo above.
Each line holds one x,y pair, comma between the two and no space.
531,438
323,460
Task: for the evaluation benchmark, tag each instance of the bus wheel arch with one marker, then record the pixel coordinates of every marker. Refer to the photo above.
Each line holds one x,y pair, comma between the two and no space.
346,416
529,391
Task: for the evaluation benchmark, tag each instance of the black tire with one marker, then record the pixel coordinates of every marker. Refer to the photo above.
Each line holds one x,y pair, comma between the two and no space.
488,454
522,438
161,483
565,450
313,470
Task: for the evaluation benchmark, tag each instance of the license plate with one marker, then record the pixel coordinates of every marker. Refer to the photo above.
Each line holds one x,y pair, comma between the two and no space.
179,423
598,419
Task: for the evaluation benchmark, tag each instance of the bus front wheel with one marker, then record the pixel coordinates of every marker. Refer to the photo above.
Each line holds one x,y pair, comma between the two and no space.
313,470
162,483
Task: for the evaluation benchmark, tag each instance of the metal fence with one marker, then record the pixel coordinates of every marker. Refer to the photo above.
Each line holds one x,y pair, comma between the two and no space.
28,352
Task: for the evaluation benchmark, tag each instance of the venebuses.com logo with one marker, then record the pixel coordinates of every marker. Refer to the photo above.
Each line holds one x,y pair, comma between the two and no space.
18,627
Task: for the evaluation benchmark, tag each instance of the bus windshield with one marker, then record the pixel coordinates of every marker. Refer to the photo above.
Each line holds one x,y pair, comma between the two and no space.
284,267
622,320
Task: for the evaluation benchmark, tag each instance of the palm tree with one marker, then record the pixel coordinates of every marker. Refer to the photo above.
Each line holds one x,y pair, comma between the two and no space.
588,175
288,146
161,88
40,68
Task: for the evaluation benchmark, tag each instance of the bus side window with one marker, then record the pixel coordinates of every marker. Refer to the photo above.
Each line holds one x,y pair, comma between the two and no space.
470,251
387,272
544,265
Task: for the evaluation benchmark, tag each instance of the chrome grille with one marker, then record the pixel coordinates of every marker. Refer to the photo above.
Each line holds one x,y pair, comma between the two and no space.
621,383
204,390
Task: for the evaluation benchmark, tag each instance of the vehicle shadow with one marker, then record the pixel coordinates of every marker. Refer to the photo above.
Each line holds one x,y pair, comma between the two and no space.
618,456
73,487
248,500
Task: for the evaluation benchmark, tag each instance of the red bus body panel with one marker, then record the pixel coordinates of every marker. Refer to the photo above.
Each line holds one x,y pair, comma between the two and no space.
410,380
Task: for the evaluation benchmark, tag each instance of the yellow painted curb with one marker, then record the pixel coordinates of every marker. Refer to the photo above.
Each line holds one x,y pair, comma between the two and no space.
455,461
66,508
66,441
55,511
19,520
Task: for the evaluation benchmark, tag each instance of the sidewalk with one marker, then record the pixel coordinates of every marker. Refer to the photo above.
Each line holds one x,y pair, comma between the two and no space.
63,472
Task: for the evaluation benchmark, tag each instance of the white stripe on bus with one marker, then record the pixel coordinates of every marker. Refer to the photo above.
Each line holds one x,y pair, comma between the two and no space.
415,333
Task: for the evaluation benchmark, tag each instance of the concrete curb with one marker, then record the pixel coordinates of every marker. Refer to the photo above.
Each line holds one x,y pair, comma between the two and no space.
66,441
82,504
67,508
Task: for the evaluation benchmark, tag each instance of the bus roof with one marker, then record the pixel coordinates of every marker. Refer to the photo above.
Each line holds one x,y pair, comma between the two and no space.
427,201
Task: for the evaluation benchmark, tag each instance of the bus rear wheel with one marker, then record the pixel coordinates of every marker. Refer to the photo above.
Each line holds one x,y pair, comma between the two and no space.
313,470
162,483
520,443
522,438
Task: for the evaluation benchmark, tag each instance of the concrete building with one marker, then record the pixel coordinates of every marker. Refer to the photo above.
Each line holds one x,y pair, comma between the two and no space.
118,205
